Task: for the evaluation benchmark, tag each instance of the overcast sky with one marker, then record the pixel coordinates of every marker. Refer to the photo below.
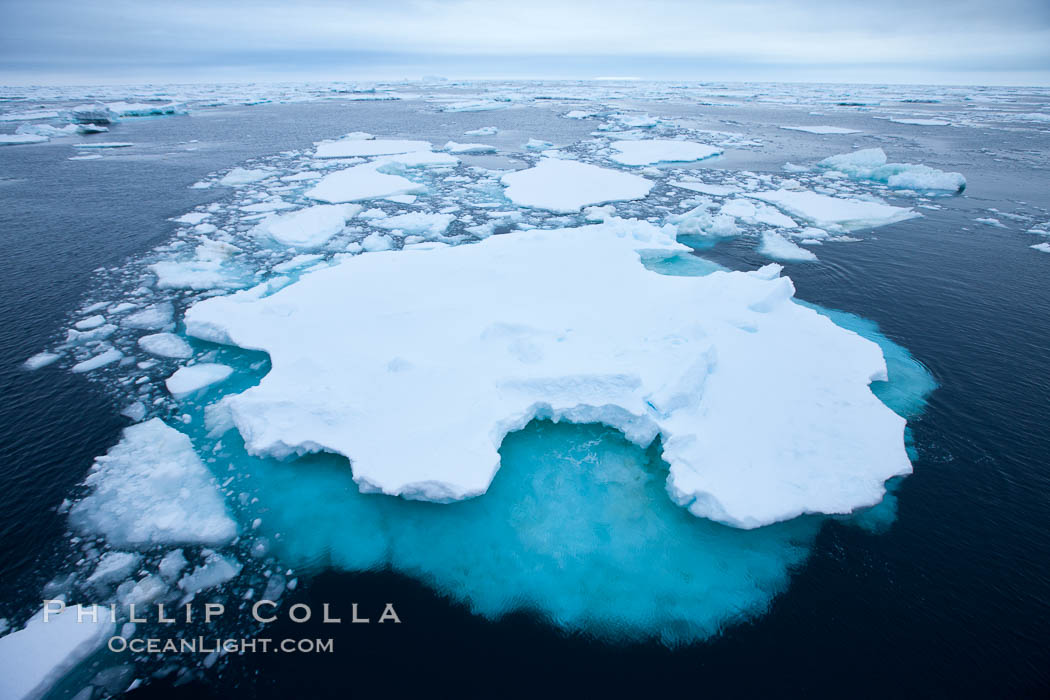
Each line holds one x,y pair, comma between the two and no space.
923,41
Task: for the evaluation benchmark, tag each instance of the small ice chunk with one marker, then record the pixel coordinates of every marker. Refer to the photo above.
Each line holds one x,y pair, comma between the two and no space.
101,360
152,489
41,359
215,571
166,345
822,129
350,147
777,247
835,213
310,227
114,566
172,564
244,176
152,318
1041,247
376,242
417,222
467,148
193,378
483,131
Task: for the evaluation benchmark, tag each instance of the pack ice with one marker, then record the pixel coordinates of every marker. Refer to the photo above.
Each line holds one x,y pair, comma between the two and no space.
151,489
419,388
871,164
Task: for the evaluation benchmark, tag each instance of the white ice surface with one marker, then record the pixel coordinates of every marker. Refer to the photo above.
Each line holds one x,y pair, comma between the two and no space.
351,147
360,182
166,345
37,656
835,213
822,129
649,151
777,247
152,489
764,404
193,378
568,185
310,227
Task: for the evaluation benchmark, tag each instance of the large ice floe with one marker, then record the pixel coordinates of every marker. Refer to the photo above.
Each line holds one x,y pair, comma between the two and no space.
422,407
568,186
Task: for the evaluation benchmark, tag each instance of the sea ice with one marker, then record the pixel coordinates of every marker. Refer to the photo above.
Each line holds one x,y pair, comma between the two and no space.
361,182
351,147
310,227
36,657
104,144
158,317
188,380
870,164
417,222
152,489
166,345
835,213
15,139
215,571
102,359
1042,247
729,355
822,129
468,148
921,122
200,274
96,113
649,151
777,247
568,185
41,359
114,566
244,176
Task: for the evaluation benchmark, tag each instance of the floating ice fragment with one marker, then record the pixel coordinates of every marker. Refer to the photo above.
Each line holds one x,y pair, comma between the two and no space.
777,247
193,378
361,182
41,359
417,222
310,227
151,489
166,345
152,318
467,148
243,176
36,657
114,566
350,147
835,213
16,139
215,570
101,360
567,186
649,151
870,164
1042,247
822,129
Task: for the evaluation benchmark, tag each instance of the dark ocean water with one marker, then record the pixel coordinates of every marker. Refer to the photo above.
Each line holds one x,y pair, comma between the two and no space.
953,600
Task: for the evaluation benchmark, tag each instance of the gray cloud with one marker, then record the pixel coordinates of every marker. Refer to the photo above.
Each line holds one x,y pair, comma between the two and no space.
755,39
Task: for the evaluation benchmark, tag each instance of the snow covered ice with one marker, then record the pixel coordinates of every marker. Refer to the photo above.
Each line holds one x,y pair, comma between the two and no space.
152,489
739,352
871,164
835,213
36,657
191,379
568,186
649,151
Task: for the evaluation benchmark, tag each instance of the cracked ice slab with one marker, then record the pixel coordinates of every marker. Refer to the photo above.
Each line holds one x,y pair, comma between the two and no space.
152,489
835,213
763,404
568,185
